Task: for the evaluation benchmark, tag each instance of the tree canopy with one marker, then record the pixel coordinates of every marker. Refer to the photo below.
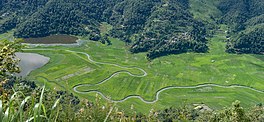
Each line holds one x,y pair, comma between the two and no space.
159,27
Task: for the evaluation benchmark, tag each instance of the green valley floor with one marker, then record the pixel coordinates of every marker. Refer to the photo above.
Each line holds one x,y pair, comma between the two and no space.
114,74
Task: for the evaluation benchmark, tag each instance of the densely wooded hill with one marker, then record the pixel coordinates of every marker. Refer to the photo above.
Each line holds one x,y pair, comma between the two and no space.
246,21
66,17
159,27
13,12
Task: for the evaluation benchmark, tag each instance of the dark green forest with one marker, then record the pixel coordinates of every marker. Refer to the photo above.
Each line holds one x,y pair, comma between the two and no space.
245,19
158,27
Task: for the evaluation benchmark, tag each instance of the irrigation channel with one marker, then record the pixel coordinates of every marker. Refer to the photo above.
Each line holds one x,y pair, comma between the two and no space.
75,88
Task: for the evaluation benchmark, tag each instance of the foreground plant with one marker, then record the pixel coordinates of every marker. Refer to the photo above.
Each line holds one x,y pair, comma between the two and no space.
64,108
8,61
21,108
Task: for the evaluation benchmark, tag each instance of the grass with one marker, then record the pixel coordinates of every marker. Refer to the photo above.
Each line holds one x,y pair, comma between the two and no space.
105,28
38,108
204,9
68,69
7,36
175,70
15,109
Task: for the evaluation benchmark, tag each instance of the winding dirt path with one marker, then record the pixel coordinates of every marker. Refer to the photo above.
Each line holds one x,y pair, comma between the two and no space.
75,88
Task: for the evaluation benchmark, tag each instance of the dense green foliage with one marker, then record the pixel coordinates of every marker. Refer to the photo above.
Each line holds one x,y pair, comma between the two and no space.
159,27
130,16
22,8
245,19
65,17
239,11
38,18
248,42
8,24
13,12
8,61
163,21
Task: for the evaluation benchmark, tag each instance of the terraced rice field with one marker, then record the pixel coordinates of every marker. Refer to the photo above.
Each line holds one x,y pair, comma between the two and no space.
130,79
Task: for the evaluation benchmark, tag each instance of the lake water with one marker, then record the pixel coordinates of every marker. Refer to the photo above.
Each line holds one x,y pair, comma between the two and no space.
53,39
30,62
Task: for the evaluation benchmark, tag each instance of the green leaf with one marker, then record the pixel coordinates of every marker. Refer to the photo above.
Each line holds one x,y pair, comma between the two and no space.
1,110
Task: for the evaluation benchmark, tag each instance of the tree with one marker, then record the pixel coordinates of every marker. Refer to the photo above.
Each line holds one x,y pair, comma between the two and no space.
8,60
106,40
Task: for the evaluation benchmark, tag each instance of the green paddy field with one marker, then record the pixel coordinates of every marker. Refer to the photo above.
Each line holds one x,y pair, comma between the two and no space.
131,80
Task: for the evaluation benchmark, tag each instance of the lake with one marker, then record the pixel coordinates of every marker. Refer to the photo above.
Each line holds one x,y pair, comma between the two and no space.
30,61
53,39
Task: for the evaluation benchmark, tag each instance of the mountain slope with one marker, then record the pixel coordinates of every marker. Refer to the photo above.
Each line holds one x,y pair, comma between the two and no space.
245,19
167,27
65,17
159,27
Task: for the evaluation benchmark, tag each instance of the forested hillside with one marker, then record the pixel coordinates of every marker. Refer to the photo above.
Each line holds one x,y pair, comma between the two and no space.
13,12
65,17
245,19
159,27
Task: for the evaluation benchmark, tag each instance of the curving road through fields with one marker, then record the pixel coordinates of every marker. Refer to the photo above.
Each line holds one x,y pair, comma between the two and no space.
75,88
